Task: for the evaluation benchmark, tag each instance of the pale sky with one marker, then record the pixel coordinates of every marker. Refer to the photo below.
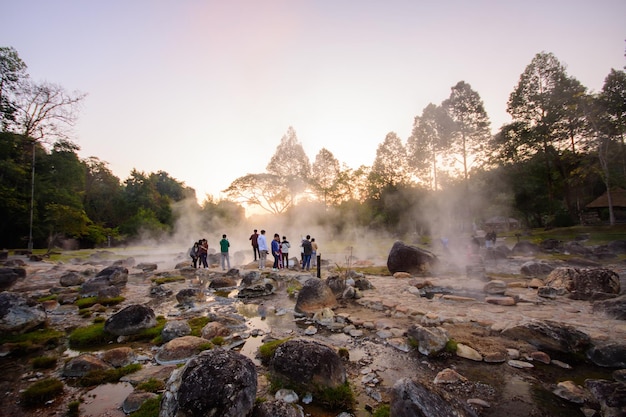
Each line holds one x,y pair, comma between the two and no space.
205,90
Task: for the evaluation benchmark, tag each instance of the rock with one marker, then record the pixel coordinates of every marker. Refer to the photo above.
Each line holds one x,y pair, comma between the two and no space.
130,320
71,279
568,390
214,383
536,268
467,352
525,247
409,398
188,296
614,307
430,340
610,355
287,395
160,291
610,395
308,364
8,277
277,408
18,314
402,275
540,357
223,282
147,266
83,364
314,295
411,259
337,284
535,283
495,287
550,336
519,364
116,276
547,292
118,357
213,329
257,287
135,400
449,376
174,329
180,349
584,284
501,301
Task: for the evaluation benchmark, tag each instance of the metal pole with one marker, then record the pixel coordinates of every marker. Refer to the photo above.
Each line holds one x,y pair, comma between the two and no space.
32,202
319,266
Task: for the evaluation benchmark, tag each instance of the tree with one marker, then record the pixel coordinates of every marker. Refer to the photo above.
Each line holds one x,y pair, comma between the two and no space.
390,167
545,107
45,110
471,132
613,100
103,196
326,176
265,191
12,72
428,139
290,164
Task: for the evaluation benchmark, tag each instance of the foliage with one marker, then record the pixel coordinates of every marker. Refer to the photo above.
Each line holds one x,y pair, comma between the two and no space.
197,324
44,362
150,408
151,385
90,336
382,411
336,398
104,376
41,391
73,409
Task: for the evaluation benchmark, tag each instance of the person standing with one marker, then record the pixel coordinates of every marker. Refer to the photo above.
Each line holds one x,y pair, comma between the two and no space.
313,253
254,239
307,249
262,242
276,251
204,251
284,250
225,259
193,252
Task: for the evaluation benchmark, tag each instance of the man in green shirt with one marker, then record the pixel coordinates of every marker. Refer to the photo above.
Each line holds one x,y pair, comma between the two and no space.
224,245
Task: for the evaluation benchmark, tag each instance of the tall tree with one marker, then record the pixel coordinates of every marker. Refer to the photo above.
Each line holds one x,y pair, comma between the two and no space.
390,167
545,108
428,139
325,177
471,128
12,72
265,191
290,163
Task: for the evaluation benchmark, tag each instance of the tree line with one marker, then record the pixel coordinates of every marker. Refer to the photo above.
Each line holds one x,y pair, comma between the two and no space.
564,147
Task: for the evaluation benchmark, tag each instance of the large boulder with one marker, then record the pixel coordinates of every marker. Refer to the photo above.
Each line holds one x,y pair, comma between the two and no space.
180,349
277,408
8,277
409,398
550,336
314,296
429,340
610,355
613,307
83,364
610,395
112,276
586,283
174,329
407,258
18,314
130,320
214,383
308,364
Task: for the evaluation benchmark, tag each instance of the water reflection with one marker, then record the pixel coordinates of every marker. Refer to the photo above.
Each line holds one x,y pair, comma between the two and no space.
105,400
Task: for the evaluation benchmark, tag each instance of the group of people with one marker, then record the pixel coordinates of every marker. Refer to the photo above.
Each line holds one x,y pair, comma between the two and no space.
200,250
280,250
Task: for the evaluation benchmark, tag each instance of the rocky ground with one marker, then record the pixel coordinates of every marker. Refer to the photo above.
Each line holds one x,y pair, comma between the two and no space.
497,375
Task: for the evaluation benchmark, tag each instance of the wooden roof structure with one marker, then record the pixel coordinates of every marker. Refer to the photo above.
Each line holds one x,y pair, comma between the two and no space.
618,198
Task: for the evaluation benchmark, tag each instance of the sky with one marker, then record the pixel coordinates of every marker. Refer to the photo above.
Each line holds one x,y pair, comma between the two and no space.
205,90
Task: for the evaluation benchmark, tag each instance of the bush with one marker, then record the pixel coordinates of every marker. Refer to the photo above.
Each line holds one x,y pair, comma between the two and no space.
41,391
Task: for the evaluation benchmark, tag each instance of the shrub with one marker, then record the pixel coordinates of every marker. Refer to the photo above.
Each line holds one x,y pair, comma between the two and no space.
44,362
41,391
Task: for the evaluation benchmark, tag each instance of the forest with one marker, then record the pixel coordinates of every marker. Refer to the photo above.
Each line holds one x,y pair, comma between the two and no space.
563,148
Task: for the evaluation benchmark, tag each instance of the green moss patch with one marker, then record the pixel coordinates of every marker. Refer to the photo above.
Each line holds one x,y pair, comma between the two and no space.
107,376
41,391
90,336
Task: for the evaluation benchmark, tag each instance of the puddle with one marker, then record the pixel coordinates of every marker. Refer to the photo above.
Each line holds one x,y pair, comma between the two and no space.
105,400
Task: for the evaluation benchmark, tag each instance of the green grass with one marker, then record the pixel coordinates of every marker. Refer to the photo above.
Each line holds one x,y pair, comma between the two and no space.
382,411
100,377
336,398
90,336
151,385
266,350
41,391
150,408
197,324
47,298
87,302
21,344
166,280
44,362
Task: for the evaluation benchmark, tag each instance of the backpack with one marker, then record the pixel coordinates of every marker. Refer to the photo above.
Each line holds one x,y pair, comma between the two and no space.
308,249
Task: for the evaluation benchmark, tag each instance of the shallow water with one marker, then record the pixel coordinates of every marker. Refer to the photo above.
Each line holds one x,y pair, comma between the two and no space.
105,400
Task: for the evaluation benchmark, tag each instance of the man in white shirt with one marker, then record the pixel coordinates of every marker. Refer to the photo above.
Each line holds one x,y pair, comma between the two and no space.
263,251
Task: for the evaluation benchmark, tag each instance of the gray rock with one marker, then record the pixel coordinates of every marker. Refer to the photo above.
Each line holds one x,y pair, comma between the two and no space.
214,383
407,258
610,355
614,307
71,279
135,400
130,320
550,336
430,340
83,364
277,408
174,329
409,398
585,283
188,296
611,396
314,295
18,314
